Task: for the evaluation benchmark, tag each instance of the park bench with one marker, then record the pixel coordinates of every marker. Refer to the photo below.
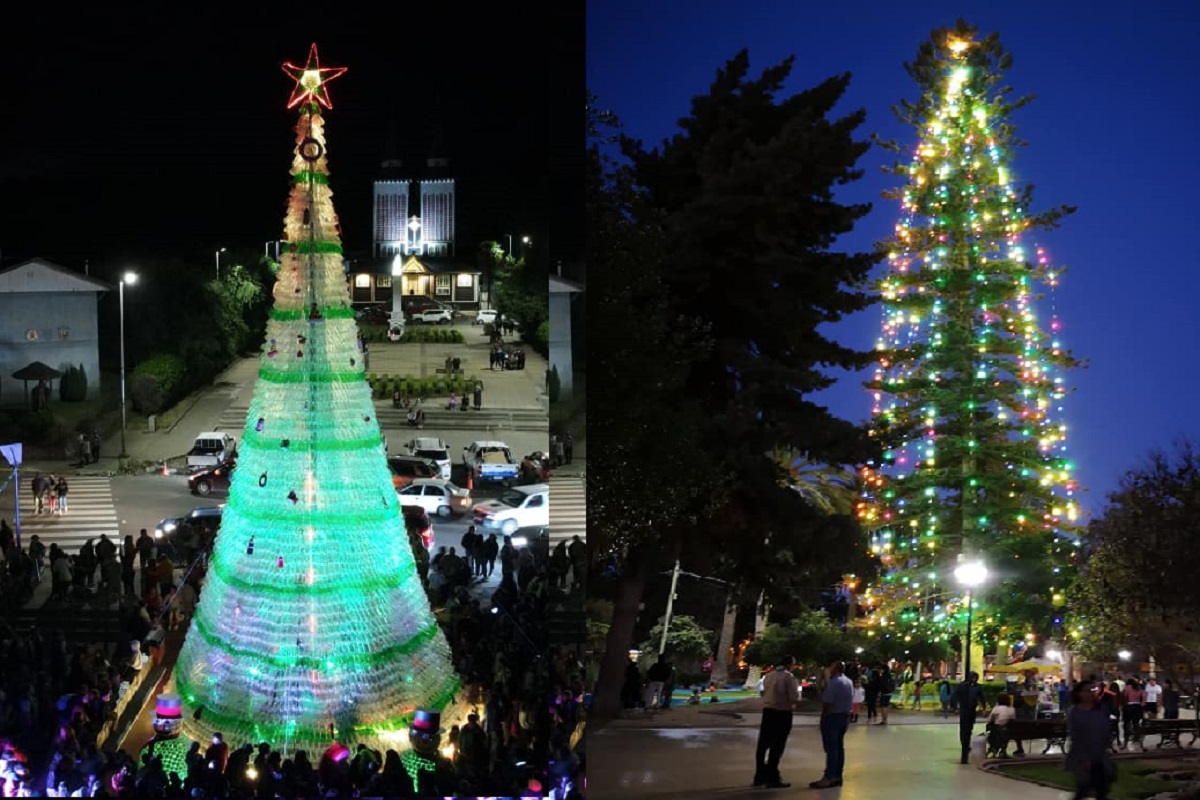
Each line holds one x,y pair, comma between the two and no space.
1053,731
1170,730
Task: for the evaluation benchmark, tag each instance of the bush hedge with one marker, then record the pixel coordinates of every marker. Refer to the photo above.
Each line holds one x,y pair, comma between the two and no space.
429,334
157,382
382,386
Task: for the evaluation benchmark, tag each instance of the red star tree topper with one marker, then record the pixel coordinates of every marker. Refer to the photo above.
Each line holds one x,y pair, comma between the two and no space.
311,79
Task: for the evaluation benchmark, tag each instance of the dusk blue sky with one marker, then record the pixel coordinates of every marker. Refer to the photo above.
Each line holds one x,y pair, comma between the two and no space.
1112,130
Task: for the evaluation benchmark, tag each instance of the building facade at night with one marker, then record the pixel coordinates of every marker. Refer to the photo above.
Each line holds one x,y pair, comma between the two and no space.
413,252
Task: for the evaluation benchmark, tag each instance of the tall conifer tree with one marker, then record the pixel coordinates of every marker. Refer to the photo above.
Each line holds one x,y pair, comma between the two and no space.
969,387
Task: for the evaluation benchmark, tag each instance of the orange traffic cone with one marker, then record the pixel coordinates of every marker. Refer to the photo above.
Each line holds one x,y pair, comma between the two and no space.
470,480
165,471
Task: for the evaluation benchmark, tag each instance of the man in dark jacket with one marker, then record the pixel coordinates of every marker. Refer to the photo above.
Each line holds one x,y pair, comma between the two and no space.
970,697
468,542
491,549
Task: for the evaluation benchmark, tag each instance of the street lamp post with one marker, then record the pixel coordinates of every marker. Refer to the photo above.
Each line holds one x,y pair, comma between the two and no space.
130,278
525,242
217,256
970,574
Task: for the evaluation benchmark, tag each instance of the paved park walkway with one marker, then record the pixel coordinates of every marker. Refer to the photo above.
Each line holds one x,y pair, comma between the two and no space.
708,751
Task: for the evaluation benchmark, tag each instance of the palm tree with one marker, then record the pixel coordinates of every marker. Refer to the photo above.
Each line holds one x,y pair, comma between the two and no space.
831,490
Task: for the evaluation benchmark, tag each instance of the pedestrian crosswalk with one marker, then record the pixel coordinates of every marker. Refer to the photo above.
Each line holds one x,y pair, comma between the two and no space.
90,512
568,508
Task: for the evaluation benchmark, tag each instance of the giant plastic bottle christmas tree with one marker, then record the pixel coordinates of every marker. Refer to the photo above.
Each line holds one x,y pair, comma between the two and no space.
968,392
312,624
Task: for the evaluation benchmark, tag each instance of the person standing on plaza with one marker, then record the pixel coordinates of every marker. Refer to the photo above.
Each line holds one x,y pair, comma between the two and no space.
886,685
568,446
668,687
836,704
128,558
656,679
468,548
145,550
1133,699
1089,732
781,694
944,695
970,699
1153,692
491,548
87,563
872,692
478,395
1170,698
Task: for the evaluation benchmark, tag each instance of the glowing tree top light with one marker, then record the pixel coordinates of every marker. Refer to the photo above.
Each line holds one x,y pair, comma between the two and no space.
968,392
313,625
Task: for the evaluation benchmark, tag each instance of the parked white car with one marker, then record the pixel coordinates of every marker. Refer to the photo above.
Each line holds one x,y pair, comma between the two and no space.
518,507
485,316
435,450
436,496
438,315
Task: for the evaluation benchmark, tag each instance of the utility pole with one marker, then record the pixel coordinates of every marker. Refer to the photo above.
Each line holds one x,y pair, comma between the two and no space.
662,647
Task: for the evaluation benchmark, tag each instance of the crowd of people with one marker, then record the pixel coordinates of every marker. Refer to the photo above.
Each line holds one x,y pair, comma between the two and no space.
523,739
56,699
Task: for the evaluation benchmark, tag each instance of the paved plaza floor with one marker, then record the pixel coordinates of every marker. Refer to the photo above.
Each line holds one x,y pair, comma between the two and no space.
913,758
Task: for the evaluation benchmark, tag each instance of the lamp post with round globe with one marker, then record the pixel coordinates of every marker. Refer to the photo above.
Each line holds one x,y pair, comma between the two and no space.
970,575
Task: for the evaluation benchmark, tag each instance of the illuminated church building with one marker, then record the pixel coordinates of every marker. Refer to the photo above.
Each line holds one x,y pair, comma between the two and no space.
413,251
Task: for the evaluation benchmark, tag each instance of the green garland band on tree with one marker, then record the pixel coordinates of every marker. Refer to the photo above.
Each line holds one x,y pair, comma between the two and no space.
377,658
276,733
284,376
327,312
219,566
309,246
258,441
310,177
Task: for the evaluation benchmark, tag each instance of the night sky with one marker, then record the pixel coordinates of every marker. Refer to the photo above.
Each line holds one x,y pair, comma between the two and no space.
136,134
1111,131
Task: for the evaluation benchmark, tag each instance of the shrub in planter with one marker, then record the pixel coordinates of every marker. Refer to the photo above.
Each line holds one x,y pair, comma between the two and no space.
157,382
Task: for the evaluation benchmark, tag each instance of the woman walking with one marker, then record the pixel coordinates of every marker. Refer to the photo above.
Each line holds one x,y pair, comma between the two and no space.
1134,699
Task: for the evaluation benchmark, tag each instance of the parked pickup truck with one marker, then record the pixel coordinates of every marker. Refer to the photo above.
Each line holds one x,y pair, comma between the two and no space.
491,461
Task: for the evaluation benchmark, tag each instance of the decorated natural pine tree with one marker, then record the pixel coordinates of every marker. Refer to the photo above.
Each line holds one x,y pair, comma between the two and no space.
312,624
969,386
